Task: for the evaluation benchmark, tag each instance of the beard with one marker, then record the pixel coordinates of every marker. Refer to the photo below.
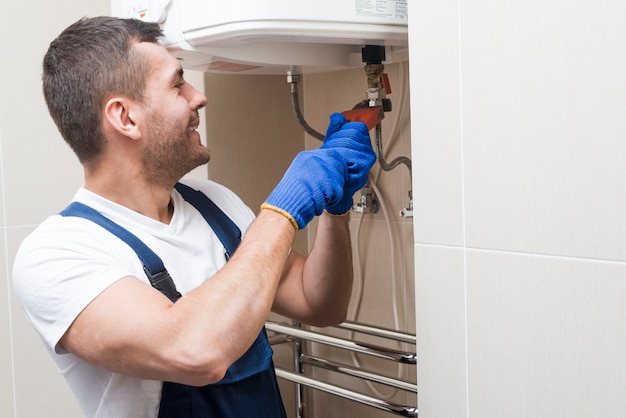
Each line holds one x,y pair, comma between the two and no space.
170,153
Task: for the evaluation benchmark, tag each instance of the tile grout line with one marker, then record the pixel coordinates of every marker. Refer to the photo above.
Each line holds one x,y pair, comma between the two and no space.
461,139
7,273
522,253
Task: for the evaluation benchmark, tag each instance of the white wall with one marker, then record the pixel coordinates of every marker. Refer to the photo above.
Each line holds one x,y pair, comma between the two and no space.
518,150
38,176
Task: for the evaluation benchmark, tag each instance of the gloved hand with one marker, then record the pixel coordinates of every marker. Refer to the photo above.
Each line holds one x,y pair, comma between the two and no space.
352,141
314,180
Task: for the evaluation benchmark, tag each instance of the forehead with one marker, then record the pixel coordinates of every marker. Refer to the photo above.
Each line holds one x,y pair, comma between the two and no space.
161,63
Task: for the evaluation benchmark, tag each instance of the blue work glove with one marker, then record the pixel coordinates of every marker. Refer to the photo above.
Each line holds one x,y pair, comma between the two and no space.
314,180
352,141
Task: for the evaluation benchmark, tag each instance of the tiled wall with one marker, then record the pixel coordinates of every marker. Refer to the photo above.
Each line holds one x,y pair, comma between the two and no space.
518,126
38,174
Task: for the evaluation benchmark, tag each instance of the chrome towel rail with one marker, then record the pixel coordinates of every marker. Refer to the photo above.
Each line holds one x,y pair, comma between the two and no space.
406,411
378,332
359,347
283,333
354,372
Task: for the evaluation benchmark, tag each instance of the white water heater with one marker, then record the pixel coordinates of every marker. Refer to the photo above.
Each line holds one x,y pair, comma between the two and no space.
273,36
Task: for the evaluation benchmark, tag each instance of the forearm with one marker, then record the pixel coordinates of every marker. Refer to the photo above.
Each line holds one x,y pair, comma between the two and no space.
328,272
236,302
316,290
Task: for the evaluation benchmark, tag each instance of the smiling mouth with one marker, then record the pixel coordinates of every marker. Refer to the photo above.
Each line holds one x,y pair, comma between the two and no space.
193,126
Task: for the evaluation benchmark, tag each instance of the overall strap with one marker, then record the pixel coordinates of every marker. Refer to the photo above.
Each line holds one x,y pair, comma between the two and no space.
225,229
152,263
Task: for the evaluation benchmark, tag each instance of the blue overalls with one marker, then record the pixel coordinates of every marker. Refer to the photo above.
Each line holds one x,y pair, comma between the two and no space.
249,388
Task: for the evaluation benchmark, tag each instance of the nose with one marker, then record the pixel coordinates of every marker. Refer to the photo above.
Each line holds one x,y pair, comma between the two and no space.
197,100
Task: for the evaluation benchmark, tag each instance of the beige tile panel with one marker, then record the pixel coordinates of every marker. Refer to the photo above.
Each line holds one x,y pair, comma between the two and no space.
251,133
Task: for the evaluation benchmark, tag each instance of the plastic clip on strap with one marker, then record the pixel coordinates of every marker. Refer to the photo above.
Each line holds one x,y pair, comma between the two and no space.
152,263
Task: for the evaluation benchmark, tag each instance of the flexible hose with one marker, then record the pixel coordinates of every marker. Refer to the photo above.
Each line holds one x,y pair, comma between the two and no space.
295,105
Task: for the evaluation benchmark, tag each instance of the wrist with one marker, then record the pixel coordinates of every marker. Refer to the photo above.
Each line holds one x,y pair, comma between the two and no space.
338,215
289,216
341,208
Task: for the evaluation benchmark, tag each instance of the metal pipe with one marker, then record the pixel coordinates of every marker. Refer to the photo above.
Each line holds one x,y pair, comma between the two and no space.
378,332
292,79
359,347
351,371
381,158
405,411
298,368
280,339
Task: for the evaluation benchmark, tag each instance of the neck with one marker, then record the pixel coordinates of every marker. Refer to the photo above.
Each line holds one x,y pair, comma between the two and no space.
134,193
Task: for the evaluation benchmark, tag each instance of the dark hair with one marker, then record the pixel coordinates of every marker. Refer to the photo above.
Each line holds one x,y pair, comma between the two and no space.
87,63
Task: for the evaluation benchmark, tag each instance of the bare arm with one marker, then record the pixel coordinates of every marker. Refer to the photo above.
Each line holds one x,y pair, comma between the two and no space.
196,339
316,290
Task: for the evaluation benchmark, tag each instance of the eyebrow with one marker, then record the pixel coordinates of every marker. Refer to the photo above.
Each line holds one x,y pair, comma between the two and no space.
178,74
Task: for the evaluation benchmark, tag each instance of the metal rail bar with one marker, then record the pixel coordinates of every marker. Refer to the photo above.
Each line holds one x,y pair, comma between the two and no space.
360,347
280,339
405,411
378,332
351,371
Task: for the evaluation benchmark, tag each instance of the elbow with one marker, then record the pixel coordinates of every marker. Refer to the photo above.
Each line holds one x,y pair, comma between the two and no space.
205,376
328,319
336,320
199,369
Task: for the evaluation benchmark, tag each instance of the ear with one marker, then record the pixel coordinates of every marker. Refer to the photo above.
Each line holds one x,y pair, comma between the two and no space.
117,114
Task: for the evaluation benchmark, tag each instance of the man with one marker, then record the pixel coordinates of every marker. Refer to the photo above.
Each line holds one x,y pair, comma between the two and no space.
126,348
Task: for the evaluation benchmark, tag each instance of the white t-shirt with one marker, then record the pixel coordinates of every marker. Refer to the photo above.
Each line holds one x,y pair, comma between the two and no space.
68,261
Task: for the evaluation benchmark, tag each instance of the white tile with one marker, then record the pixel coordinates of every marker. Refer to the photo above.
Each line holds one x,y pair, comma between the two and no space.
543,105
440,318
436,129
2,181
6,364
546,336
41,172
